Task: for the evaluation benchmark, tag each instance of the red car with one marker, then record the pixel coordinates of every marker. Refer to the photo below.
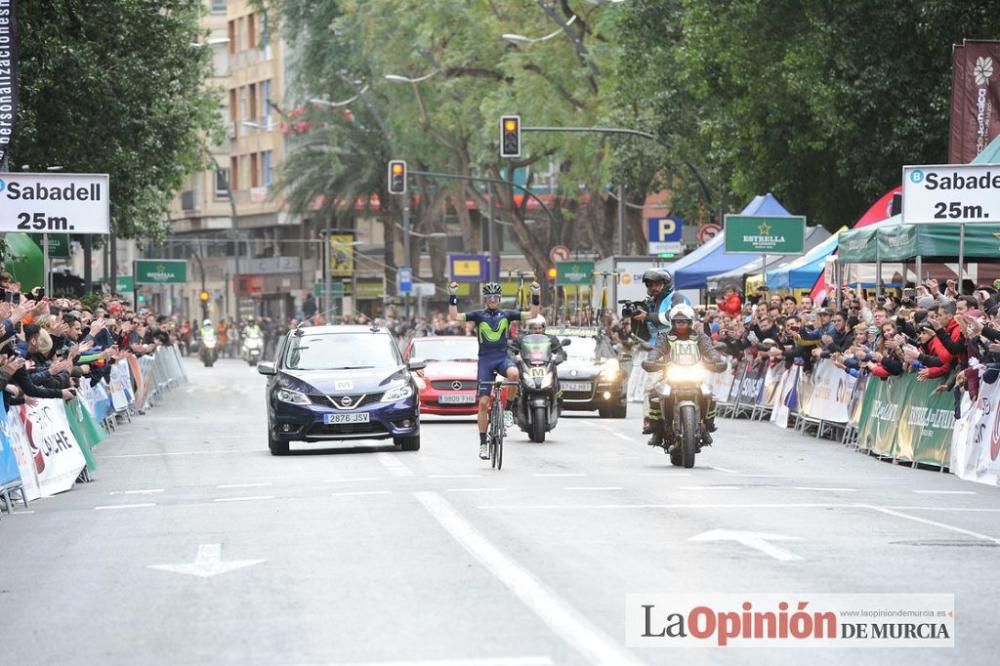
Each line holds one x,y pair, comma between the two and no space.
448,383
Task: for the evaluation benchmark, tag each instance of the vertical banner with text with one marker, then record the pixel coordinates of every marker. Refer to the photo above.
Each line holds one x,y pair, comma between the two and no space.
975,99
8,77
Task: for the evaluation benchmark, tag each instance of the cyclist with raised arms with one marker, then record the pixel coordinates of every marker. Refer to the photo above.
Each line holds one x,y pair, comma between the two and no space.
493,331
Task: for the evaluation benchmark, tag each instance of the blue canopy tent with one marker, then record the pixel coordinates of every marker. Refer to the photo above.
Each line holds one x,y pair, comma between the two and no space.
693,270
803,272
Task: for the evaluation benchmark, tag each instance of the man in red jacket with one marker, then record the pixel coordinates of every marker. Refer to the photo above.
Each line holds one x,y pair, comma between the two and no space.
933,349
730,303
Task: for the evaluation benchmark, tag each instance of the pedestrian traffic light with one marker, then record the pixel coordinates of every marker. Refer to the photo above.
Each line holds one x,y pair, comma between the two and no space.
397,177
203,296
551,273
510,136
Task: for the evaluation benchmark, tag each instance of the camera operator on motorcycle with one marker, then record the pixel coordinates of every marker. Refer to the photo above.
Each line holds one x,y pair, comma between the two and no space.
682,327
652,320
492,330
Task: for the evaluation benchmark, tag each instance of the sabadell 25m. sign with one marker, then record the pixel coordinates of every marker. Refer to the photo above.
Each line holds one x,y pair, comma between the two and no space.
55,203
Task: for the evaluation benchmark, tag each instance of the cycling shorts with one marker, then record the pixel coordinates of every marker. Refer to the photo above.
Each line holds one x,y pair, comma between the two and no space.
489,367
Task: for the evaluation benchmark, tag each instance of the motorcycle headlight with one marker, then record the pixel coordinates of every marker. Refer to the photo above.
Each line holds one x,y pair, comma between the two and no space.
611,370
398,393
293,397
209,344
547,381
685,374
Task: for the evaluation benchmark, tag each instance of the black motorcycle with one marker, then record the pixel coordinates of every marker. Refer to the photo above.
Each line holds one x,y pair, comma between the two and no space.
537,409
684,394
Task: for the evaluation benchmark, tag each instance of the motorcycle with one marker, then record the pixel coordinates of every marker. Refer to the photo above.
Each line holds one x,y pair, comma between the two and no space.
537,409
683,390
208,350
252,349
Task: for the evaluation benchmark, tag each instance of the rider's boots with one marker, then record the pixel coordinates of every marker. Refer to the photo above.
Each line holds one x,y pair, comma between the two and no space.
657,433
647,427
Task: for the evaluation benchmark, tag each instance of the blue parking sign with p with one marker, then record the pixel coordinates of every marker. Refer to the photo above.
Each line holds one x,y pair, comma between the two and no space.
665,229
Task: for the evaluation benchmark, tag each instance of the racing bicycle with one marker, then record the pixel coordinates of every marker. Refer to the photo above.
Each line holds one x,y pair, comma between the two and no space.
496,428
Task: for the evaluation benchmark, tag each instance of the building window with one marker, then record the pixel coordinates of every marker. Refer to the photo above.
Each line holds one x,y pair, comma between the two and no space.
222,183
218,6
265,161
234,171
265,37
253,103
251,31
265,93
232,36
243,104
233,109
254,173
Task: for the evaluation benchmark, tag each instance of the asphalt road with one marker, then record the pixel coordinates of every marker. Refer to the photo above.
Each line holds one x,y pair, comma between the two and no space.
195,546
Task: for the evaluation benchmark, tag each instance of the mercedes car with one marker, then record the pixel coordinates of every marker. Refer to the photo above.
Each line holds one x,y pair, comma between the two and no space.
331,383
448,383
591,378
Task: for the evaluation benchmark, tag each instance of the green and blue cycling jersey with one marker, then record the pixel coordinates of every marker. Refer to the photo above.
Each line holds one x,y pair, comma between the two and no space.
492,329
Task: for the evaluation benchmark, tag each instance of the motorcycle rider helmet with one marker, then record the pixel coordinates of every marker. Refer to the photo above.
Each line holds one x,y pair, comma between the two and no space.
536,323
653,275
681,319
207,322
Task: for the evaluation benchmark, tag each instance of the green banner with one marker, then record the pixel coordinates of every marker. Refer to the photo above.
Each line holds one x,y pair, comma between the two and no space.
124,283
907,419
160,271
367,289
574,273
751,234
86,431
58,244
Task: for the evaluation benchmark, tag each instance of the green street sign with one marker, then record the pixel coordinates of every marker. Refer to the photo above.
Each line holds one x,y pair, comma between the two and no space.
367,288
58,244
160,271
123,284
750,234
574,272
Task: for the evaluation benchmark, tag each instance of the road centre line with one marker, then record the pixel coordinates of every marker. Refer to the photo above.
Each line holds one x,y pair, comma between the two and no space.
841,490
945,492
564,620
708,487
244,499
355,479
485,661
724,469
151,491
112,507
356,493
926,521
391,463
474,490
585,488
244,485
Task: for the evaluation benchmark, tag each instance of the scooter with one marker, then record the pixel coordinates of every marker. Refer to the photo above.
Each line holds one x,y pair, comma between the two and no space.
208,350
537,410
252,349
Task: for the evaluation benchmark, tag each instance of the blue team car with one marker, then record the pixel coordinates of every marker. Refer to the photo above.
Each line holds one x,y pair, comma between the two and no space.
331,383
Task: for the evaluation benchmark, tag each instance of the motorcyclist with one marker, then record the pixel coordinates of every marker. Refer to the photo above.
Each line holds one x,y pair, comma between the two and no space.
682,327
252,329
207,330
660,298
536,326
492,328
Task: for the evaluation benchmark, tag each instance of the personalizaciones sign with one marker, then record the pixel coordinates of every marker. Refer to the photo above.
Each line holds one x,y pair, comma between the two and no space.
160,271
958,193
55,203
8,77
750,234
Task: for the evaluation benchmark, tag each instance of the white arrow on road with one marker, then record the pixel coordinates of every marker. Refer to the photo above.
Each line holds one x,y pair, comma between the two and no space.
755,540
207,563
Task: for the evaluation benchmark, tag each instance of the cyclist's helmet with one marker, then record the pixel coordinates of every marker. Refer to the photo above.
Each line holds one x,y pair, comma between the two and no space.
682,319
491,289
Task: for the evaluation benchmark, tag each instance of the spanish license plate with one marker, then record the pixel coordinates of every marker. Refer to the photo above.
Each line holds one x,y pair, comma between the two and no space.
460,399
576,386
358,417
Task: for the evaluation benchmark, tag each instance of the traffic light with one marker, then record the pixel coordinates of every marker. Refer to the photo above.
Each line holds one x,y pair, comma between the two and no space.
397,177
510,136
551,273
203,296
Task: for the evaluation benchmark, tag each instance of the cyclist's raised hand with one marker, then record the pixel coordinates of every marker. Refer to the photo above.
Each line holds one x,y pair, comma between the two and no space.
536,289
453,288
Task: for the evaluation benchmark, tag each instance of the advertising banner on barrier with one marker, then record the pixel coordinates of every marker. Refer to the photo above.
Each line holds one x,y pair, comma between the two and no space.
785,398
17,435
55,451
975,447
120,387
721,382
85,429
753,384
880,412
831,393
10,475
772,382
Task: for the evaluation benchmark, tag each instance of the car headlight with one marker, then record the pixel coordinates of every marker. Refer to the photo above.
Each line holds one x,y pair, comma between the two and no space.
398,393
685,374
611,370
293,397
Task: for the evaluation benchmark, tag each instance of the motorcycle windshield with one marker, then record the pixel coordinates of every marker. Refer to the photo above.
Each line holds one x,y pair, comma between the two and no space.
536,349
685,352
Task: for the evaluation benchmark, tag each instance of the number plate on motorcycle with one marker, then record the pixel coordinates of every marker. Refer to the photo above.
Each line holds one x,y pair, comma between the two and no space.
332,419
537,372
456,399
576,386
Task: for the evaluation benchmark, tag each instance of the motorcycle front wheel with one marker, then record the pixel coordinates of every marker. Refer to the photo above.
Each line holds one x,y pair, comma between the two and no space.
539,425
689,435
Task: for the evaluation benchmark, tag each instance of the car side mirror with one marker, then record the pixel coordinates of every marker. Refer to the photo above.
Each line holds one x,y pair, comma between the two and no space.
566,342
415,364
266,368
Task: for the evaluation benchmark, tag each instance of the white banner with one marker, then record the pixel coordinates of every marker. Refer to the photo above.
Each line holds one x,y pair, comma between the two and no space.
120,386
780,409
975,444
721,382
18,438
57,456
831,393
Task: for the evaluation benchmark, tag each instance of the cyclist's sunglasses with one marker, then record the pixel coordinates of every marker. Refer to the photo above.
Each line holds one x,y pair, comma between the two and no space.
492,298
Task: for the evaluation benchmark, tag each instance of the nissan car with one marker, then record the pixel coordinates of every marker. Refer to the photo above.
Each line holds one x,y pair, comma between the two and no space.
448,383
332,383
591,378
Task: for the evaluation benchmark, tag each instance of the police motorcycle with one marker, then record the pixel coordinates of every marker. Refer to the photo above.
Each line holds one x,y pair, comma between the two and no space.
208,350
537,409
252,347
683,390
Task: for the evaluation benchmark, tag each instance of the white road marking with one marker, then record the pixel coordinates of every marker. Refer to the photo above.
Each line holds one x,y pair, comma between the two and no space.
453,476
666,473
21,513
585,422
723,469
484,661
394,465
574,488
207,563
361,492
945,492
756,540
926,521
112,507
709,487
944,508
474,490
558,474
839,490
359,478
621,436
564,620
244,485
588,507
151,491
244,499
179,453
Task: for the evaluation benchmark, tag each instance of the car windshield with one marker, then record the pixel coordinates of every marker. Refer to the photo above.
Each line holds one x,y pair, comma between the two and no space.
450,348
341,351
582,348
